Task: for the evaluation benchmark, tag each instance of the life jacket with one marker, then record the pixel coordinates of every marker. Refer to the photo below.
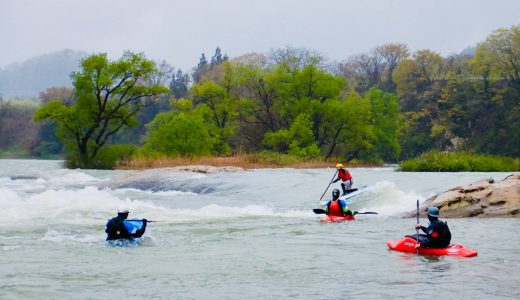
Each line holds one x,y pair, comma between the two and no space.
335,209
344,175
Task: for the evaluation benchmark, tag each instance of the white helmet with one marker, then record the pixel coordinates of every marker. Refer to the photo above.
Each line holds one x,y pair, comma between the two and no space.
123,210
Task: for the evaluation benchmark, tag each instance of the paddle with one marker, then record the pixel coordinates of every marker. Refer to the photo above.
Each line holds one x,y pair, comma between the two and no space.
328,185
147,221
319,211
417,229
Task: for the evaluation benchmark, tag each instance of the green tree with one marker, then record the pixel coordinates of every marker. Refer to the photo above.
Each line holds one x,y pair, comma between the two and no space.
386,122
347,130
108,96
217,58
297,140
179,84
181,132
201,69
221,111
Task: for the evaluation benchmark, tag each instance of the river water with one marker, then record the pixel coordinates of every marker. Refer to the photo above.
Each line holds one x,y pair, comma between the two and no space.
241,235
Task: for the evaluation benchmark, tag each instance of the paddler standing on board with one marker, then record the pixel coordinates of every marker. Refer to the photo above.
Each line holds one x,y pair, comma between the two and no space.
346,179
337,207
117,229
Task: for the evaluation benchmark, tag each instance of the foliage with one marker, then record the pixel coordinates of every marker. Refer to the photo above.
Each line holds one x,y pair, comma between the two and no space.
108,157
108,96
298,140
387,104
18,132
274,158
386,123
437,161
180,132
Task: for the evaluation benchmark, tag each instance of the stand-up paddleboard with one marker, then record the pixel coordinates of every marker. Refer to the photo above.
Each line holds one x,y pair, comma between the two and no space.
349,196
407,244
133,225
360,190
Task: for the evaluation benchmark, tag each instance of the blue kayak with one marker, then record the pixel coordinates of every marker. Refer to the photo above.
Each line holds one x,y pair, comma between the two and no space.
133,225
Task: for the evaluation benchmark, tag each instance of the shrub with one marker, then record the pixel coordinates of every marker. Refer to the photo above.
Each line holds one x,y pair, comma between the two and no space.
437,161
107,158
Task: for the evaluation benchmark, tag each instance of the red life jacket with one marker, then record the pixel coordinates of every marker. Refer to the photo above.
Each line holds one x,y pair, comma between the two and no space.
335,209
344,175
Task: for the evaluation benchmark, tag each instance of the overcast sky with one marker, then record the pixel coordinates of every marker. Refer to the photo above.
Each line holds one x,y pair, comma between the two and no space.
178,31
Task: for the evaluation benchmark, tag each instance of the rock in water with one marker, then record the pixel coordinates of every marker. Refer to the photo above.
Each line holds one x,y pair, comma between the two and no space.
484,198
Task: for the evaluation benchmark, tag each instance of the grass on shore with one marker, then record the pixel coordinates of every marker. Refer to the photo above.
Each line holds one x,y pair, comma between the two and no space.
437,161
246,161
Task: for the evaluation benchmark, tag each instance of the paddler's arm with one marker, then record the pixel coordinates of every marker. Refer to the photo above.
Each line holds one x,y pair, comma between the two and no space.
424,229
326,208
140,232
345,208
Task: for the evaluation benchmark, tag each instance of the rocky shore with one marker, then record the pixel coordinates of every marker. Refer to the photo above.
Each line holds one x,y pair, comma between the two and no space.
484,198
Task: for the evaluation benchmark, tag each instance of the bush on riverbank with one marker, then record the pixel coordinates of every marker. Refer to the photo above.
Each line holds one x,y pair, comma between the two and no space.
437,161
263,159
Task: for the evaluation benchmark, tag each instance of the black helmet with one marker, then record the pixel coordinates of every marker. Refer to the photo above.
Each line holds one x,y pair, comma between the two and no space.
335,193
433,211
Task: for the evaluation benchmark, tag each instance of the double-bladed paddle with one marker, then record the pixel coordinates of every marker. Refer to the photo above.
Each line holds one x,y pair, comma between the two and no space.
147,221
320,211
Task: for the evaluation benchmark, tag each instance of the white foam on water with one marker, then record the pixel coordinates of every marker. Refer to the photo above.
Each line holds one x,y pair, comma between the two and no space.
85,205
63,206
215,211
298,214
25,185
172,193
72,177
61,236
159,193
386,199
10,248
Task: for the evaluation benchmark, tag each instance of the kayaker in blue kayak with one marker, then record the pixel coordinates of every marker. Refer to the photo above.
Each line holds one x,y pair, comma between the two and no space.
337,207
116,228
437,234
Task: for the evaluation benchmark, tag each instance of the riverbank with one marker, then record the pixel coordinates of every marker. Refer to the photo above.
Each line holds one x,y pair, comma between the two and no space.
245,161
438,161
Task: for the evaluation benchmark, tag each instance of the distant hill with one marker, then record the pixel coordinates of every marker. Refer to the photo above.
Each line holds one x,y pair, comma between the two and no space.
27,79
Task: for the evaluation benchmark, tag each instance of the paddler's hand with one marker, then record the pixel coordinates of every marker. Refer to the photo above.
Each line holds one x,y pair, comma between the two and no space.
417,245
145,220
417,226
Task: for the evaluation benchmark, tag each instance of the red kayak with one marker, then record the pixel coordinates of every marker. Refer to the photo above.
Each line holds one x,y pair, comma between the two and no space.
335,219
407,244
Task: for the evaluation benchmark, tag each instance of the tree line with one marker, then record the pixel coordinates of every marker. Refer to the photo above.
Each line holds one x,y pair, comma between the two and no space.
384,105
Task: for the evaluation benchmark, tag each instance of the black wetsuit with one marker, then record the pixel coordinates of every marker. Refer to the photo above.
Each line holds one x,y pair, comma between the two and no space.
116,230
437,235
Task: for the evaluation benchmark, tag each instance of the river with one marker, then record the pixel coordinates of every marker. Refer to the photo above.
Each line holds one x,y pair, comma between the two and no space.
238,235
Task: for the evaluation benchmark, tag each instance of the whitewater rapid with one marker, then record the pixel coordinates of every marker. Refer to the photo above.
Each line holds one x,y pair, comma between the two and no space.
32,194
231,235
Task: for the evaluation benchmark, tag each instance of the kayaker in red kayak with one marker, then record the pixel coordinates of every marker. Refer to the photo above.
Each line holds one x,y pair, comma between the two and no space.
437,234
346,179
337,207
